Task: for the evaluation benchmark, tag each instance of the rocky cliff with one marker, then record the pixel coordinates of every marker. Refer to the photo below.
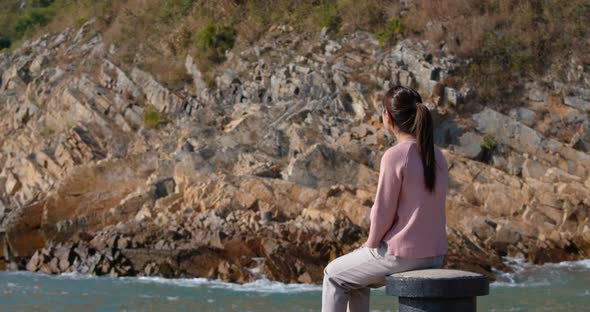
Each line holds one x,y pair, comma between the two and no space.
272,167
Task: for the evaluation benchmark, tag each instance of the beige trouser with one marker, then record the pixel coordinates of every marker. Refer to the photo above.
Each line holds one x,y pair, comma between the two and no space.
348,279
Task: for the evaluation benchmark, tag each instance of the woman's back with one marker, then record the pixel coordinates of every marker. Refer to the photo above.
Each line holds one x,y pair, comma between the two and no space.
411,218
408,224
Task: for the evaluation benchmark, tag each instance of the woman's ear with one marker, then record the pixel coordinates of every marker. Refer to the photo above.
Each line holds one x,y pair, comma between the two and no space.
387,119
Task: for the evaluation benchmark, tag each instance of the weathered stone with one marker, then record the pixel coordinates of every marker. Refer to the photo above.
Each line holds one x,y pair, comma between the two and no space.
34,262
577,102
507,131
37,64
533,169
483,229
469,145
310,167
12,184
160,97
294,136
524,115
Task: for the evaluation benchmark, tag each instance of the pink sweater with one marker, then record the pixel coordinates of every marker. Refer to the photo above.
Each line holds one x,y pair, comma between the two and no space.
405,215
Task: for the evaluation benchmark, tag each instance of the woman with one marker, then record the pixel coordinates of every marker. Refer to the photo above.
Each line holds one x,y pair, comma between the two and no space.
407,230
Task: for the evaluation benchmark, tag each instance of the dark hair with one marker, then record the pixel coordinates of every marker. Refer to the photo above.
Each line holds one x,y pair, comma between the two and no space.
404,106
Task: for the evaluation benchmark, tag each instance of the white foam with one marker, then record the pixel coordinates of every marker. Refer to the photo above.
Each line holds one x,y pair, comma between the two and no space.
74,275
256,270
521,285
21,273
519,263
579,264
262,285
526,274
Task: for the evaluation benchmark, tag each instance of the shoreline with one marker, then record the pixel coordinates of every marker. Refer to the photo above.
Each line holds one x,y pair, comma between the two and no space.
265,285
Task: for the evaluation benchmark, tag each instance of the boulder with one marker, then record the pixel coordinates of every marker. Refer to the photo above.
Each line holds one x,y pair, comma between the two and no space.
469,145
508,131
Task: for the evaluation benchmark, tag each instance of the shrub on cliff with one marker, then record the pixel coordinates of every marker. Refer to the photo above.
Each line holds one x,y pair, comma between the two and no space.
31,20
171,10
151,117
327,16
394,28
4,42
508,41
214,40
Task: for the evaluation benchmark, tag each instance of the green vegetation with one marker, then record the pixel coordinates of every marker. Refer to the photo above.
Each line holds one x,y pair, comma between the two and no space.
17,21
22,19
80,22
488,142
391,30
327,16
507,41
151,117
214,40
173,10
5,43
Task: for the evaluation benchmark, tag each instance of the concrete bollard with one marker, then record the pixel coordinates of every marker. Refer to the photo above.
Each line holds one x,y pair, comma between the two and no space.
434,290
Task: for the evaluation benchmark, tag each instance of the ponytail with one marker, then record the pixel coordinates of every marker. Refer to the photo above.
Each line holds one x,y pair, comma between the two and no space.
423,128
405,107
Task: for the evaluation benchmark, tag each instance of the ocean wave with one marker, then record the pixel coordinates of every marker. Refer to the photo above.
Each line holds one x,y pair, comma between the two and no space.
526,274
262,285
521,262
521,285
578,264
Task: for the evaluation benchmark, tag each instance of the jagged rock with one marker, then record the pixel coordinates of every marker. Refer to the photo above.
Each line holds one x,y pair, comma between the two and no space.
484,229
143,214
524,115
12,184
164,187
87,186
192,70
451,96
305,278
508,131
469,145
358,103
37,64
505,236
160,97
533,169
577,102
34,262
321,165
25,113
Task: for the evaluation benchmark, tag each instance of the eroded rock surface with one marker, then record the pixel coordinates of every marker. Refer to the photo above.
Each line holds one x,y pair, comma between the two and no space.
273,169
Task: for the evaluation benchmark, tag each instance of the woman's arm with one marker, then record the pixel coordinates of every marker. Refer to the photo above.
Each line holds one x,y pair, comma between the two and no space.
386,199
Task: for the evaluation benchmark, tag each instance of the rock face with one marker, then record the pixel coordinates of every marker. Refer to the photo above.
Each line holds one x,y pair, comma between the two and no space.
273,170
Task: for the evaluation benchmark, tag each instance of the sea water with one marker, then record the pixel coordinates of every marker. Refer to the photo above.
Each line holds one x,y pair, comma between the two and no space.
562,286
